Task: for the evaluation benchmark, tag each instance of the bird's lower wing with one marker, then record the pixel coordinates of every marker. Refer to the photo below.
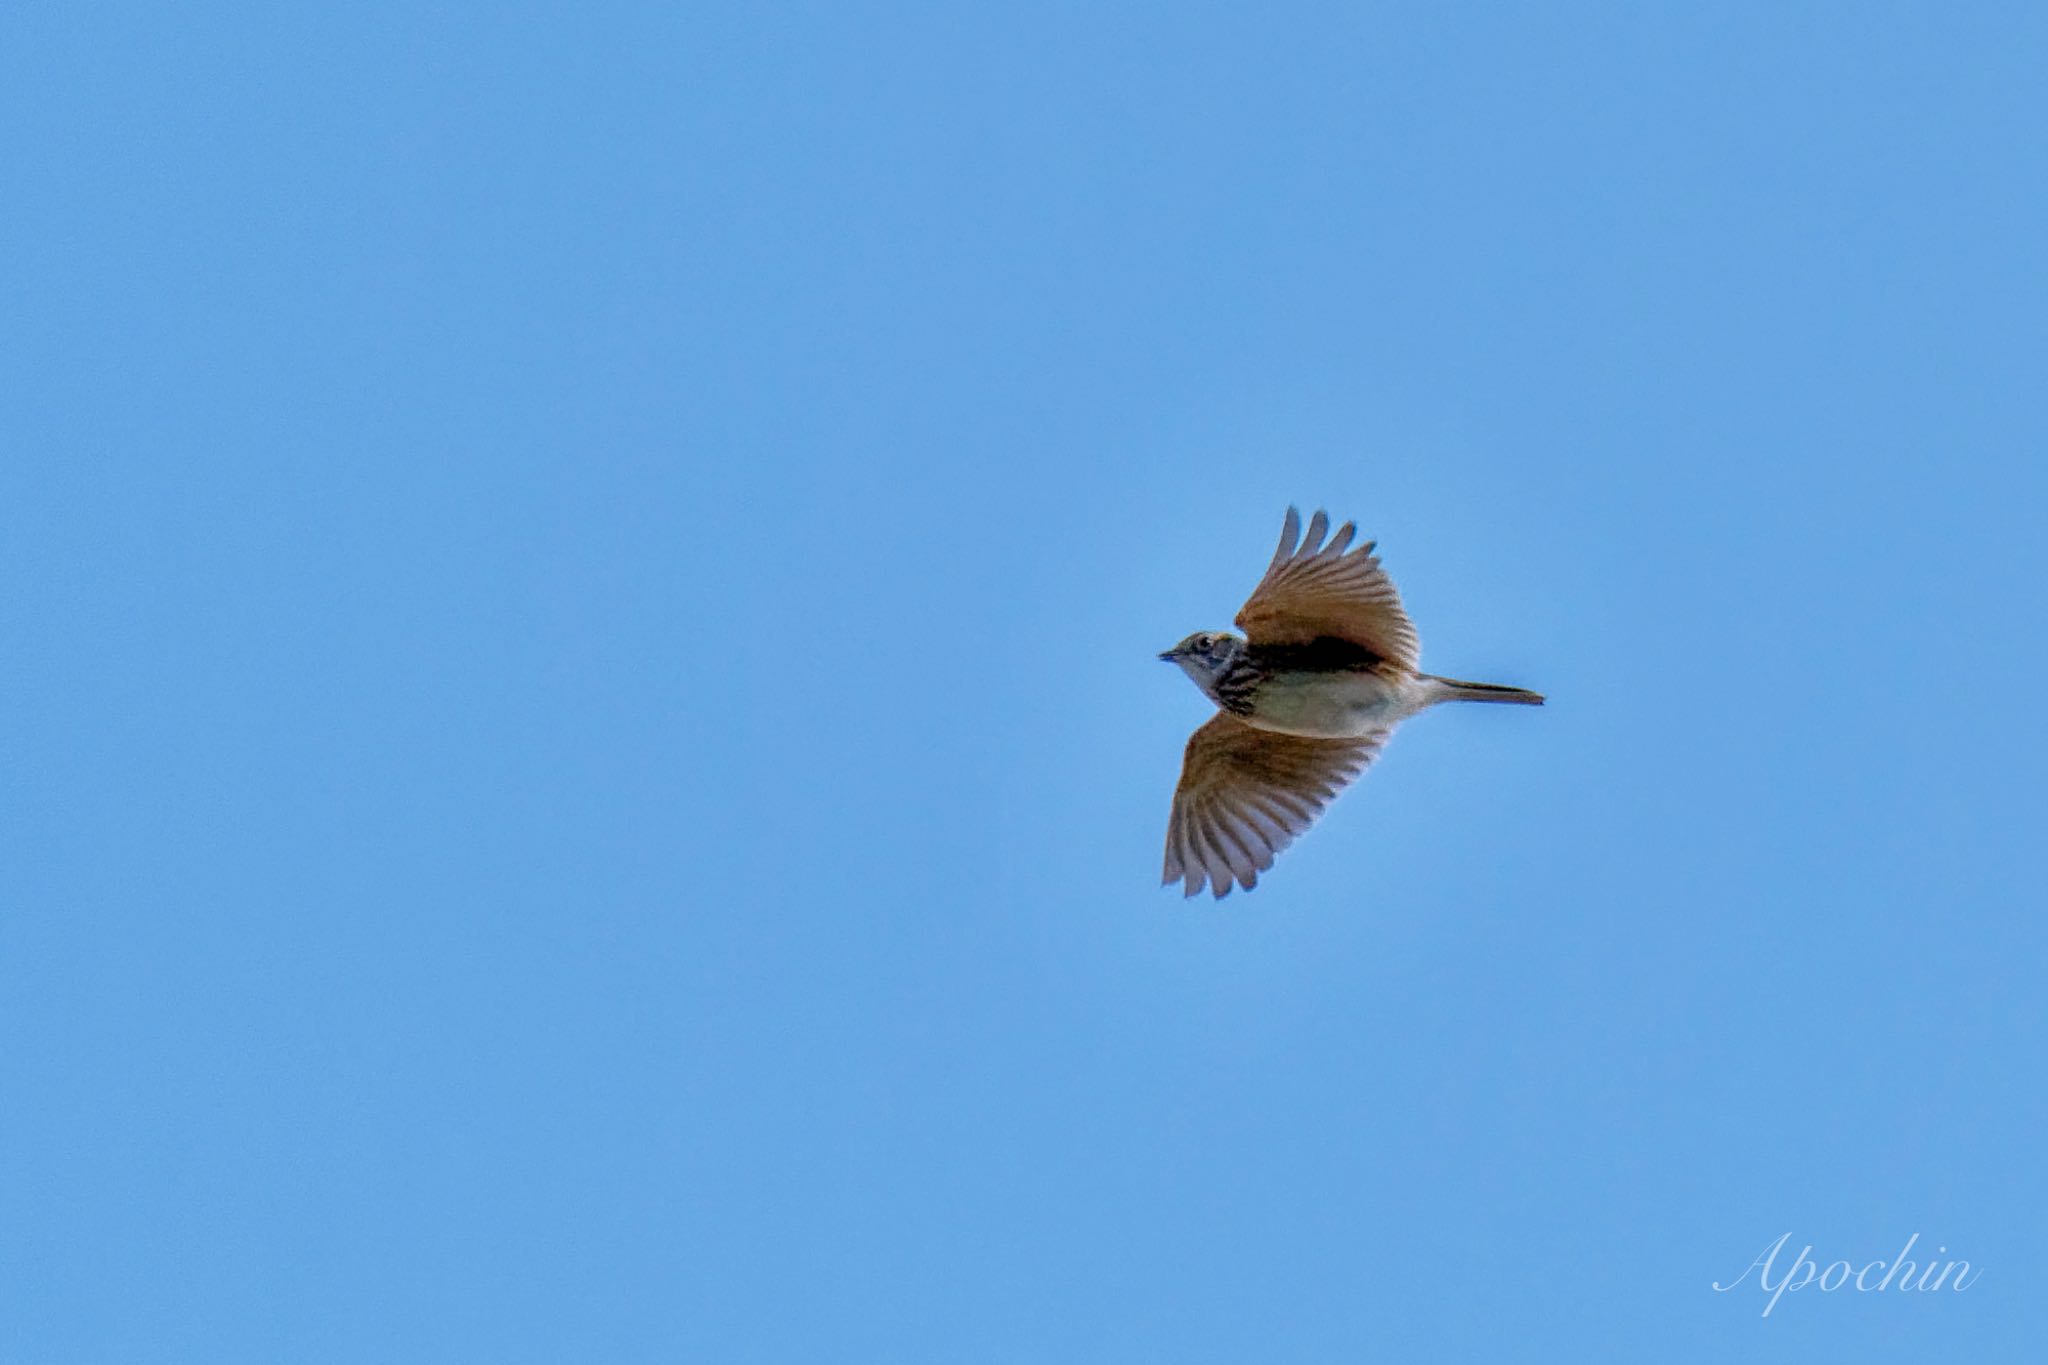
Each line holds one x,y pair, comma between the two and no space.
1246,793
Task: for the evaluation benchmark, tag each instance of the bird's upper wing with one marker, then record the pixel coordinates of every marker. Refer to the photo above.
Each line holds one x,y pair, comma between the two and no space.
1314,590
1245,794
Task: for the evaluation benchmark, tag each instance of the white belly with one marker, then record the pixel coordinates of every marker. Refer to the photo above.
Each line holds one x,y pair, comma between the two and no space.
1332,705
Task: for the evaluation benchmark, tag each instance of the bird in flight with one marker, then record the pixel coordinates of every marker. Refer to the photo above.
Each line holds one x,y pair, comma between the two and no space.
1307,697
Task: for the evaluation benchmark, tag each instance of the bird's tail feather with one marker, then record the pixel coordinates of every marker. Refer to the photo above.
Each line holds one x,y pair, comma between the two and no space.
1456,690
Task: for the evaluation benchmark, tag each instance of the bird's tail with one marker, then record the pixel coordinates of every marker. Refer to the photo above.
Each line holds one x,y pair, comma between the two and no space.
1455,690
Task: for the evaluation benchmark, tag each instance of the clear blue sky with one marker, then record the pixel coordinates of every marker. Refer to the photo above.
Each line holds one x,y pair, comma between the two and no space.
581,762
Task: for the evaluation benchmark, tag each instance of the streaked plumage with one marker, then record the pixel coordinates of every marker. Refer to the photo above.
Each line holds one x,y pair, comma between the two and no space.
1327,667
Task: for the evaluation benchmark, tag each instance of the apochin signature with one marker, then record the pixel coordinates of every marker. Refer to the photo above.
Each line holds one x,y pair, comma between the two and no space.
1899,1273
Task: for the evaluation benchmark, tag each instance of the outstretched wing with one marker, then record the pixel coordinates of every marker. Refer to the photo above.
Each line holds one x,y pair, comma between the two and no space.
1314,590
1245,794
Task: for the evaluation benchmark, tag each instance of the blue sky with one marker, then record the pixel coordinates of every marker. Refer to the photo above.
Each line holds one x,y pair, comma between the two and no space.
581,757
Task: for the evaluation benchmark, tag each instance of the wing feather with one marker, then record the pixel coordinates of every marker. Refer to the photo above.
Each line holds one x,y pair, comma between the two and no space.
1245,794
1315,589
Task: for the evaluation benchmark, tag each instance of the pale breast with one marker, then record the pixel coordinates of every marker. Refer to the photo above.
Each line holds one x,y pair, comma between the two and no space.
1339,705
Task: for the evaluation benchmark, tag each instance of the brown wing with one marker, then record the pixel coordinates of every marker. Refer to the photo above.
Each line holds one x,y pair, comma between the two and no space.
1245,794
1314,590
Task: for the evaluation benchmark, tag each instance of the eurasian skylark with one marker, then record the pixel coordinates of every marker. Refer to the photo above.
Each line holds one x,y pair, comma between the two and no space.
1327,667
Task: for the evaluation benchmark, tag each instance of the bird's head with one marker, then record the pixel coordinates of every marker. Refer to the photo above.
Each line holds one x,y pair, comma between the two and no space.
1205,656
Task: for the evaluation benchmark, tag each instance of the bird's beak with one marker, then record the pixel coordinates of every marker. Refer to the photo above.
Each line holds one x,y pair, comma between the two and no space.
1170,655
